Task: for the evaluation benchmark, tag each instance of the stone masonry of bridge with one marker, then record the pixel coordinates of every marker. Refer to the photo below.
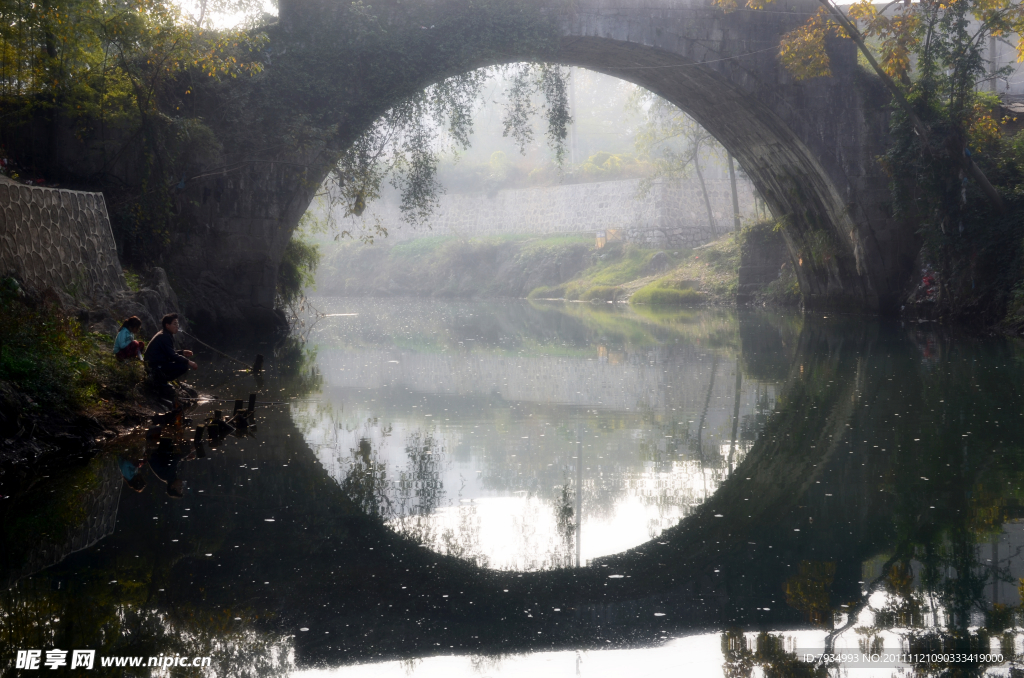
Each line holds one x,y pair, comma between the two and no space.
810,148
671,214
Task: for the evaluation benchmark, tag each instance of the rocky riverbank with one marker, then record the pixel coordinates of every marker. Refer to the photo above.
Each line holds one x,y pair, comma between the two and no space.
62,391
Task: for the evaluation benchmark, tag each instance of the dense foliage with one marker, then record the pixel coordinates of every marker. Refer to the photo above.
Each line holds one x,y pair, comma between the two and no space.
298,265
953,171
46,355
116,78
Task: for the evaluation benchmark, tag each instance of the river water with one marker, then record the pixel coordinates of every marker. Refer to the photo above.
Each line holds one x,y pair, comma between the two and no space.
515,488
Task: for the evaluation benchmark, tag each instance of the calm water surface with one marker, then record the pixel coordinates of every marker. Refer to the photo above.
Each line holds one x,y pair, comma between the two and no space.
503,489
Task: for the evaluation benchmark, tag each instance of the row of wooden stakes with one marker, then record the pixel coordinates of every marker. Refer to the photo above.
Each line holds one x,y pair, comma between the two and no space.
215,427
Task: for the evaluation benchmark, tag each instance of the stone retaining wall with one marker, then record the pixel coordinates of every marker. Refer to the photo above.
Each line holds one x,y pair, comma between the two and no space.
53,239
58,239
672,214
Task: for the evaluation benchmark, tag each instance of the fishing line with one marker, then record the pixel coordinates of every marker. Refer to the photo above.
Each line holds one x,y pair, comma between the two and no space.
212,348
258,402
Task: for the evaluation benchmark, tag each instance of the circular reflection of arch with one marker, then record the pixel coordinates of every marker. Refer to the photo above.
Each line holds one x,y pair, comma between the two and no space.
545,474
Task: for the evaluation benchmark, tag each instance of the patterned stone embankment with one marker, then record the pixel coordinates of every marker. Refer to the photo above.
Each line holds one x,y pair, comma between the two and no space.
671,214
58,239
61,240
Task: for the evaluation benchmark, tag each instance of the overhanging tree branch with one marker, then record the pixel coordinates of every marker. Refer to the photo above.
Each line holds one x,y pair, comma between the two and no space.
960,153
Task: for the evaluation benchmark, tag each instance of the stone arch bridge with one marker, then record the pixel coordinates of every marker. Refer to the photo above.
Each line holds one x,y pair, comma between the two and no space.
809,147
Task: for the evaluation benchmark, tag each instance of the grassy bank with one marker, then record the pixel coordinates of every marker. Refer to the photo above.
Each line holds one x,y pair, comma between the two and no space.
658,278
614,267
452,267
60,385
566,267
707,274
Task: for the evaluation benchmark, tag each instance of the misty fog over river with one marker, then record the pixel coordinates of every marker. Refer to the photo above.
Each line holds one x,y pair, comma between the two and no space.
556,489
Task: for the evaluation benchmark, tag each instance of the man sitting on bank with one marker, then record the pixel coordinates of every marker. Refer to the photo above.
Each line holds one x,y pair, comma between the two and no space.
166,363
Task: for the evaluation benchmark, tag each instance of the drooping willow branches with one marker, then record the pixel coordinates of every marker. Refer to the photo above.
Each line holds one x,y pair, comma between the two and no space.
404,146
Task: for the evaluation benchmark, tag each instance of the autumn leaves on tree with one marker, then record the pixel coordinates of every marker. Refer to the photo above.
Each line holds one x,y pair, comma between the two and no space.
953,172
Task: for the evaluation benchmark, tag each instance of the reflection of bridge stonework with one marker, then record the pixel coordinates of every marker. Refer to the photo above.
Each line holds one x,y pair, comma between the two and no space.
98,508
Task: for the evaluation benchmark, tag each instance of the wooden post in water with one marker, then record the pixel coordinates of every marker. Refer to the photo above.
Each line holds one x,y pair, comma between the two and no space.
257,364
252,402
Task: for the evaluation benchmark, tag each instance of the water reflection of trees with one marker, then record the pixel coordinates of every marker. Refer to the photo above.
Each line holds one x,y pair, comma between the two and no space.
408,498
414,492
121,620
566,524
667,463
581,470
936,431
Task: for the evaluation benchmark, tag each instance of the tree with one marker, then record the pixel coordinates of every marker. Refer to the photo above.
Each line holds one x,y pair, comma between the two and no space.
950,63
406,144
117,74
953,174
675,142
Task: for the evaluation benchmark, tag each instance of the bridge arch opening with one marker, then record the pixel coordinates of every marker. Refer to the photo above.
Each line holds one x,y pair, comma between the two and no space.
672,188
810,148
787,136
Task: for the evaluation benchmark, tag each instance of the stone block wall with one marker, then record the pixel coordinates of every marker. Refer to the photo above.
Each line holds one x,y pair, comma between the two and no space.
671,214
53,239
58,239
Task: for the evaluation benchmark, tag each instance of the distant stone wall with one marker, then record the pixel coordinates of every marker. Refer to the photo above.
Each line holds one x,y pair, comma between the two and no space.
52,238
672,214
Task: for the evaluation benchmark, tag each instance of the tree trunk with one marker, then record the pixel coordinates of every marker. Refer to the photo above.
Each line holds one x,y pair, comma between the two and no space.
735,198
704,190
993,63
735,407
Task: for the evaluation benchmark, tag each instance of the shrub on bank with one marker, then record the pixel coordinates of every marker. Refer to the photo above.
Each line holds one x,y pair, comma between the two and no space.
547,292
663,293
297,270
601,293
783,291
47,355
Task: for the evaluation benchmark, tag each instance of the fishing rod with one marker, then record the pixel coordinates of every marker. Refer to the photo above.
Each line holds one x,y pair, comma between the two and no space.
257,402
255,366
